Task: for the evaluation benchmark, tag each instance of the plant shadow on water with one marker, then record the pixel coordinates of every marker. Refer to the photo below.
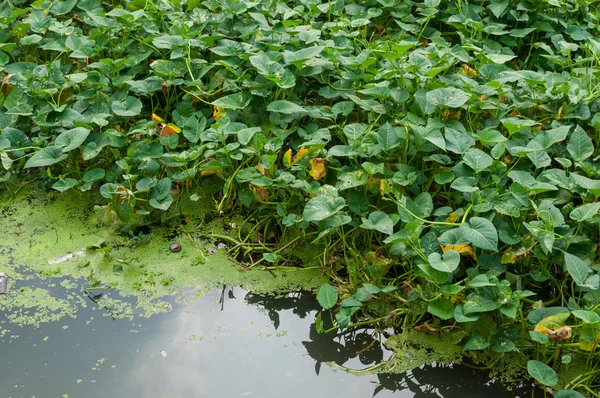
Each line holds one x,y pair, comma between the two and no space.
228,343
363,348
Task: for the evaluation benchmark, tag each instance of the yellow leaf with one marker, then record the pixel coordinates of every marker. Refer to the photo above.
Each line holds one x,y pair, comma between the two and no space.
467,70
169,129
453,217
318,168
301,153
219,112
287,157
156,118
466,250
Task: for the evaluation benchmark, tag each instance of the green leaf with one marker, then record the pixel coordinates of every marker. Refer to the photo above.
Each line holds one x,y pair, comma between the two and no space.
514,124
458,142
94,175
478,303
584,212
290,57
286,107
160,194
587,316
245,135
481,233
480,281
358,203
71,139
498,7
270,257
446,263
321,207
580,146
577,269
234,101
343,318
194,127
538,337
388,137
65,184
567,394
168,42
130,107
543,373
372,289
327,296
476,343
460,316
442,308
63,7
477,159
448,96
465,184
538,315
379,221
45,157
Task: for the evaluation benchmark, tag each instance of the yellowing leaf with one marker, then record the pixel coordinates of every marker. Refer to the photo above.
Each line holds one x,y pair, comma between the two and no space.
373,184
551,325
318,168
169,129
384,187
586,345
453,217
219,112
156,118
287,157
301,153
466,250
261,169
261,192
467,70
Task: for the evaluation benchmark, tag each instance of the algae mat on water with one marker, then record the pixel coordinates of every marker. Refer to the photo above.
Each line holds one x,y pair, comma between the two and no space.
49,235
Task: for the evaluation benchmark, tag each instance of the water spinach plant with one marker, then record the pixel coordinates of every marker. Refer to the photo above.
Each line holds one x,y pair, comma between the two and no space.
437,159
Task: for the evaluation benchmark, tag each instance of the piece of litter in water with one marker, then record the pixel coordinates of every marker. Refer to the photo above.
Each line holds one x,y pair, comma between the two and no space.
66,257
163,353
3,282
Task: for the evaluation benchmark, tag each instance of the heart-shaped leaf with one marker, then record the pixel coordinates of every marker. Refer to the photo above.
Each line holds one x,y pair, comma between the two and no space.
543,373
448,262
46,157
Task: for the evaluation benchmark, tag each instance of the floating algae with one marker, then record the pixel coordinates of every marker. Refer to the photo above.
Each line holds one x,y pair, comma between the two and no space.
58,236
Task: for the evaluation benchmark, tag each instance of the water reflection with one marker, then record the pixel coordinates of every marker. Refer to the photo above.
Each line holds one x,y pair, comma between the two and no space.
231,343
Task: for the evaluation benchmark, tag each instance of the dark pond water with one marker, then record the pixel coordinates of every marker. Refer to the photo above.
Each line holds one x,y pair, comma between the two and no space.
228,344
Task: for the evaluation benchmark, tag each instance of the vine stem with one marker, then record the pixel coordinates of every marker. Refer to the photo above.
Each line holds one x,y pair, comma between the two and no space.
395,312
369,369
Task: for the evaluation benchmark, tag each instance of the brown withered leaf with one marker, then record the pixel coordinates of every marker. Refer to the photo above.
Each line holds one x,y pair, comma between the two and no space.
318,168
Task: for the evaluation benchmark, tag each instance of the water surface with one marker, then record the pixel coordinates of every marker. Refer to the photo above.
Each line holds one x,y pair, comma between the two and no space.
230,343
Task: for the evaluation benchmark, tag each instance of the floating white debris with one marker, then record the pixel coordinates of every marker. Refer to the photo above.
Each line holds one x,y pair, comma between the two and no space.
3,282
66,257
